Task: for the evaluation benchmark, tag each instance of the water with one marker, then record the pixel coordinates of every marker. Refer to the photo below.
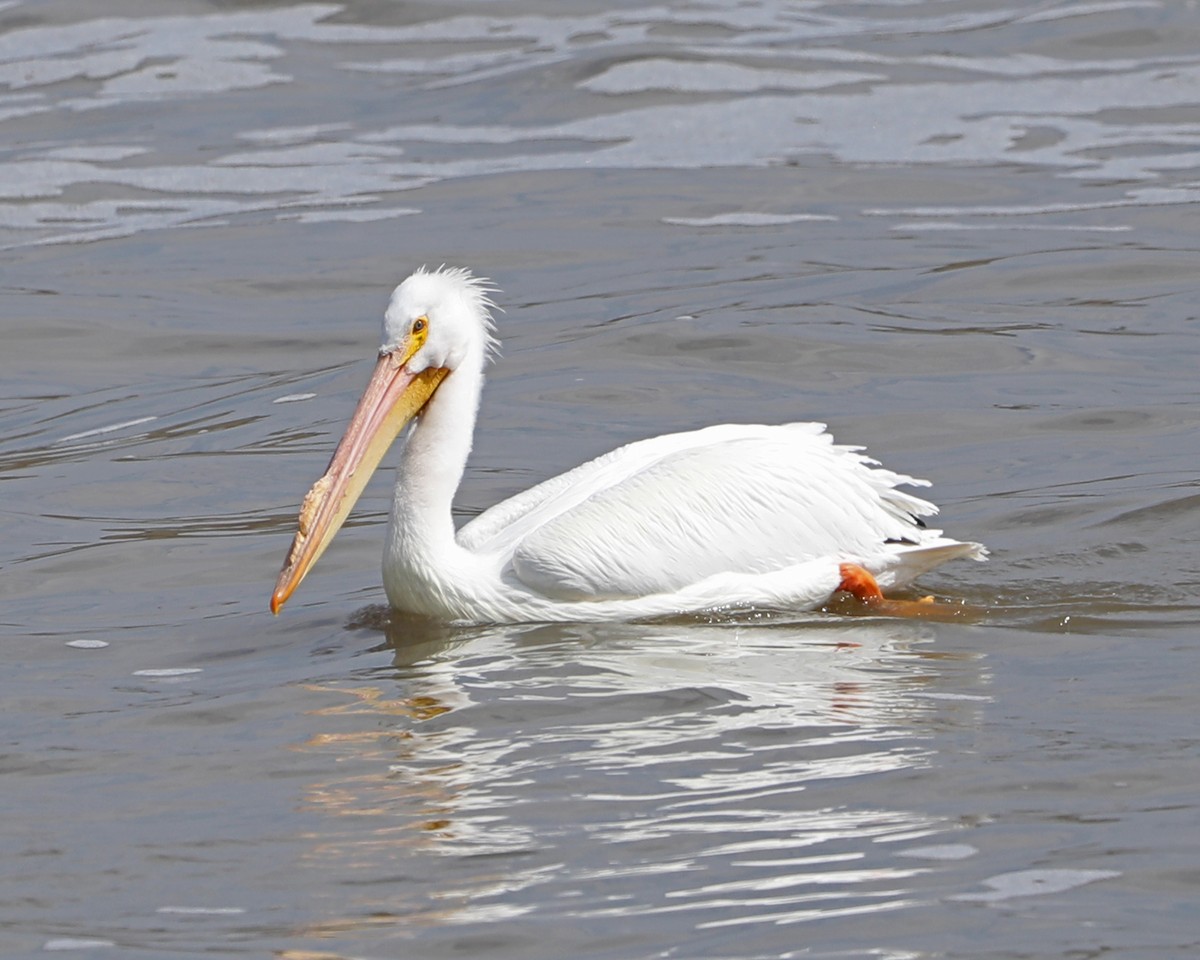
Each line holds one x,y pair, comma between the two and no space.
961,233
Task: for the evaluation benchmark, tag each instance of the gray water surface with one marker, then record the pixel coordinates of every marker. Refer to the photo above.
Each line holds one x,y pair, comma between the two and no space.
961,233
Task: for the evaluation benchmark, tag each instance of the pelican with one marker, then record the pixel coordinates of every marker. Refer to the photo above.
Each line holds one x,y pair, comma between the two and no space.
736,517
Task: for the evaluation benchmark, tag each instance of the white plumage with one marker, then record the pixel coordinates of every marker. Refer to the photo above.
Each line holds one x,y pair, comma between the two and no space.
731,517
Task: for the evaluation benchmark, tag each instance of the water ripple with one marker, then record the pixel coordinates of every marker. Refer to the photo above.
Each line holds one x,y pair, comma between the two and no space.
729,776
654,87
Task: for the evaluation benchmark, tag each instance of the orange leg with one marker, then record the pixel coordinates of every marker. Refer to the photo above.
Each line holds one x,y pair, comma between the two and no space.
862,585
859,582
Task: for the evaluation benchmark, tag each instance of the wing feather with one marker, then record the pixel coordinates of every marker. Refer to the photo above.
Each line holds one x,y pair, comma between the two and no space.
658,515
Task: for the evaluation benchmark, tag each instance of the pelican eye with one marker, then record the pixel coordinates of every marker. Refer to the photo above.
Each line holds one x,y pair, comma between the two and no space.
419,325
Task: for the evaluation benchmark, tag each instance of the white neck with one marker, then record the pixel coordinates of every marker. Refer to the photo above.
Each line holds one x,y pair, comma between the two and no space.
422,561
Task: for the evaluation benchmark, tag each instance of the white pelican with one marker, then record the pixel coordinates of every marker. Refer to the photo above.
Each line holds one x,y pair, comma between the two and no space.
731,517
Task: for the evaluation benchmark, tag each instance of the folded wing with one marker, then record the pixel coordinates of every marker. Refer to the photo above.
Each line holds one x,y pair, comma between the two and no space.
661,514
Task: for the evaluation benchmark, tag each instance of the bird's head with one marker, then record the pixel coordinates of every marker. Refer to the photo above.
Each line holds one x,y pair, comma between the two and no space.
440,319
437,321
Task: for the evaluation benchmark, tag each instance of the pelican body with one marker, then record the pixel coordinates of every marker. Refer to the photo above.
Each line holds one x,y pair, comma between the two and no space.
733,517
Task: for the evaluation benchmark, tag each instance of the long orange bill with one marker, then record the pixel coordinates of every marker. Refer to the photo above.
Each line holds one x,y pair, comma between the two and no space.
392,398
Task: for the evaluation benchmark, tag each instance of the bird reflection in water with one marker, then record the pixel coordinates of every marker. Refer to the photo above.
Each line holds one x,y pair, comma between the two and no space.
551,761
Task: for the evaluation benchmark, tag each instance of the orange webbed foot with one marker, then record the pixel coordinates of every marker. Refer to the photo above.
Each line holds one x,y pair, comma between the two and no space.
861,584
